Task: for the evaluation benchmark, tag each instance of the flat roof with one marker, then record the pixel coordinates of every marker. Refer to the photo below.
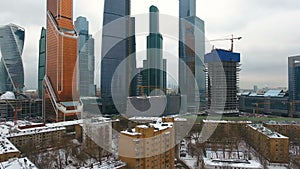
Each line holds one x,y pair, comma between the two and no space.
269,133
20,163
225,121
37,130
6,146
109,164
236,163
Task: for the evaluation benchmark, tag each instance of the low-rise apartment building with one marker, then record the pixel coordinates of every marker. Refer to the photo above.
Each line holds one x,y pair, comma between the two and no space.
270,144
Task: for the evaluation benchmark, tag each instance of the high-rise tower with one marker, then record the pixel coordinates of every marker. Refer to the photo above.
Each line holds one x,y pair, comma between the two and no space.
11,65
294,85
154,67
42,62
191,54
223,69
118,43
86,58
60,82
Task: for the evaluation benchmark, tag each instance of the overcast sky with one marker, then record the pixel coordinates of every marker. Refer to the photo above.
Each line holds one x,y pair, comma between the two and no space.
270,31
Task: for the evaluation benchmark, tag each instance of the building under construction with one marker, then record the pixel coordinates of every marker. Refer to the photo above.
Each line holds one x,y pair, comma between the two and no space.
19,107
222,81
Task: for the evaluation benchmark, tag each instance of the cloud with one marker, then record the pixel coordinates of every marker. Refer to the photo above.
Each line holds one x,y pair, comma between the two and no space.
269,29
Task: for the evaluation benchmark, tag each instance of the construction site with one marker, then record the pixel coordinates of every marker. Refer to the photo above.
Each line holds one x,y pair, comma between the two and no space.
14,106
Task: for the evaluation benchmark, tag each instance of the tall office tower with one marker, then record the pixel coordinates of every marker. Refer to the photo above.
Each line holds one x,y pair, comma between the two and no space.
294,85
191,55
42,62
61,98
11,65
118,44
223,68
86,58
154,63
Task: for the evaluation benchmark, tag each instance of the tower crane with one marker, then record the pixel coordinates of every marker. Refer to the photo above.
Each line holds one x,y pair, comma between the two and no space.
231,39
16,109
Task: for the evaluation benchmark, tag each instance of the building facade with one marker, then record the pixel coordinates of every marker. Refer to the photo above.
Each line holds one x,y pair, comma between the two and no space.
276,103
8,150
154,63
42,62
86,58
291,130
61,99
148,146
191,55
294,85
273,146
118,44
222,71
30,109
11,65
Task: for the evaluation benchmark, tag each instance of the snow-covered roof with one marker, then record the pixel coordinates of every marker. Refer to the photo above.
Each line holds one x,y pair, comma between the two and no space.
8,96
269,133
18,163
151,119
106,165
37,130
232,163
131,132
225,121
282,123
158,125
6,146
273,93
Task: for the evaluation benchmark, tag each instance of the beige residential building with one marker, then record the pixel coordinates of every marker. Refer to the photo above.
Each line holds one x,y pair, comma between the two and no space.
270,144
149,146
7,150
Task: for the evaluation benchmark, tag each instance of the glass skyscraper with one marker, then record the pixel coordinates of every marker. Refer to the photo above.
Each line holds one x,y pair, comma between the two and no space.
86,58
118,42
42,62
294,84
11,65
191,54
154,63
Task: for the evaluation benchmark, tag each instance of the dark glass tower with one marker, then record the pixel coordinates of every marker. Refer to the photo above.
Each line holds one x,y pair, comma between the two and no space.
294,85
118,42
42,62
11,65
191,54
154,64
86,58
223,69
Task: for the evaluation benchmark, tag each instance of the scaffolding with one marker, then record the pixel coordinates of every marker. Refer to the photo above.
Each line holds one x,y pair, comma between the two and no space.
31,109
222,83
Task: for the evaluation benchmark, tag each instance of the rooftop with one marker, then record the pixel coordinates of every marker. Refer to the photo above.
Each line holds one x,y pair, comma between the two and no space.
18,163
37,130
233,163
269,133
226,121
158,125
106,165
6,146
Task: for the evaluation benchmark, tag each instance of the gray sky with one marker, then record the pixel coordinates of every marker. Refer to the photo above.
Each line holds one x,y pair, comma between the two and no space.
270,31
